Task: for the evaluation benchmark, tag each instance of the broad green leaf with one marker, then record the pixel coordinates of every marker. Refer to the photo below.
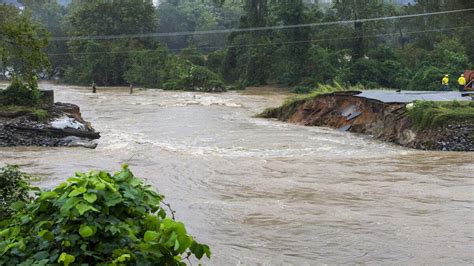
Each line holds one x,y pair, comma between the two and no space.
151,236
74,180
184,242
18,205
103,174
60,186
176,245
110,187
66,259
46,234
46,224
77,191
100,186
123,258
48,194
112,228
123,175
86,231
5,232
70,203
207,250
135,182
197,250
83,208
41,255
112,199
90,197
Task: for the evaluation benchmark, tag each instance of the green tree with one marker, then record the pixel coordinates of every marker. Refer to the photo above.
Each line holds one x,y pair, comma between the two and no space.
21,45
447,57
196,15
53,17
252,62
294,50
149,68
355,10
104,61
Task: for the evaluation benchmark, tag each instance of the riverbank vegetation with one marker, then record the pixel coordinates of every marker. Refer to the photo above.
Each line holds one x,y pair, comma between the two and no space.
22,56
92,218
14,188
153,46
427,114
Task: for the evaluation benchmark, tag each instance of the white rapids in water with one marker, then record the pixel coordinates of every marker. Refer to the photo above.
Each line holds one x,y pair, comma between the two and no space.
265,192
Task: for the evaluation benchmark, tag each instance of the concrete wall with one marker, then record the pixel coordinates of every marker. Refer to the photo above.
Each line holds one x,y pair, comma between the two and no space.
47,97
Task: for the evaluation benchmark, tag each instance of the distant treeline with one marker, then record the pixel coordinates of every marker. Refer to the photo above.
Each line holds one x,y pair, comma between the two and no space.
135,42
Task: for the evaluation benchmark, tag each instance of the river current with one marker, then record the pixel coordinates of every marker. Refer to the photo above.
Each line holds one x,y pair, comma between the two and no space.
266,192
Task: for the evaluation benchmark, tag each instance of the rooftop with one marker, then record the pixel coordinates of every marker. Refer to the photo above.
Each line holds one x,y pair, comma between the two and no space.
410,96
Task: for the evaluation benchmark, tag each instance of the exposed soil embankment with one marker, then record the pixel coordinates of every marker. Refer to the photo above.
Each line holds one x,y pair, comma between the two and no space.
385,121
58,125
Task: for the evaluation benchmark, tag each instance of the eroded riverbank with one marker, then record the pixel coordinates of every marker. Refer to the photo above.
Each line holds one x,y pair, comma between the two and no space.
268,192
58,124
386,121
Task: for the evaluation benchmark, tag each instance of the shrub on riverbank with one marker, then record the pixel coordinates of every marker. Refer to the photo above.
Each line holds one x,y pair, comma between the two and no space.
19,93
196,78
428,114
14,189
97,218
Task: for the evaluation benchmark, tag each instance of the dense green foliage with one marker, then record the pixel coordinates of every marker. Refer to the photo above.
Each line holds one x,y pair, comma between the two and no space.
427,114
97,218
21,56
153,46
160,69
21,45
103,61
19,93
14,188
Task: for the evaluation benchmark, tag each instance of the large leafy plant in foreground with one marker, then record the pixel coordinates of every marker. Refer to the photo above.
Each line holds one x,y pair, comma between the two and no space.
97,218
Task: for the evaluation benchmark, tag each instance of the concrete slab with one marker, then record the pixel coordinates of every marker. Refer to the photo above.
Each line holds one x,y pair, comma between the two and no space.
410,96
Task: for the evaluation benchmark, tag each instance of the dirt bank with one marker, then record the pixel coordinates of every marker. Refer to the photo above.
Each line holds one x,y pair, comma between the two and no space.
60,124
385,121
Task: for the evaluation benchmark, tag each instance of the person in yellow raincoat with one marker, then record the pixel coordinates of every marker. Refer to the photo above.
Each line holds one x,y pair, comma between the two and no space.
445,82
461,82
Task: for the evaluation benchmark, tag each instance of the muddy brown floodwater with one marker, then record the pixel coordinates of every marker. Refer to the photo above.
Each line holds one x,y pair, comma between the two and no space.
266,192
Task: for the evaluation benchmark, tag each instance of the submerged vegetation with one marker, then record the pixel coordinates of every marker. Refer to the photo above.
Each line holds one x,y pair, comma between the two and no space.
427,114
93,218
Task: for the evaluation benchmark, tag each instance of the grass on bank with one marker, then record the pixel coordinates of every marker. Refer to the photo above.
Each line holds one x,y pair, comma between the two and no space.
428,114
320,90
40,115
292,102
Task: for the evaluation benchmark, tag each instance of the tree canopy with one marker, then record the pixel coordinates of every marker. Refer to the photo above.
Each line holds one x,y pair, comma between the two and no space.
122,42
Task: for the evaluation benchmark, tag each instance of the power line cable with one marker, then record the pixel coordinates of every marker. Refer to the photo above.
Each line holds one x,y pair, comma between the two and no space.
236,30
266,44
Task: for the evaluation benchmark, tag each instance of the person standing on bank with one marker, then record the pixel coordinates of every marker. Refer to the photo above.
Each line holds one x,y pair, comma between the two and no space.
445,82
461,82
131,88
